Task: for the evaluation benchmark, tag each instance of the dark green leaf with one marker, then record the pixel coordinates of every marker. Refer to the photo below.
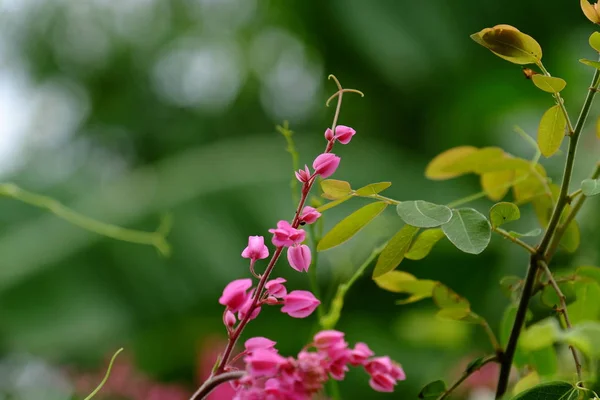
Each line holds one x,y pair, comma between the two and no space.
423,214
556,390
468,230
432,390
350,225
393,253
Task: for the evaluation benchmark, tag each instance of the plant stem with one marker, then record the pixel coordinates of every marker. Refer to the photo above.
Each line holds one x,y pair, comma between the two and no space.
534,262
156,239
513,239
563,310
209,385
559,101
466,375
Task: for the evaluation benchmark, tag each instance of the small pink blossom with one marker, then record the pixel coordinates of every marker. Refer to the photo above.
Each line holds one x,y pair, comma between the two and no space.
384,373
229,319
309,215
299,257
263,362
382,382
326,164
303,175
344,134
276,288
329,339
286,235
299,304
360,354
329,135
234,295
259,342
256,249
245,308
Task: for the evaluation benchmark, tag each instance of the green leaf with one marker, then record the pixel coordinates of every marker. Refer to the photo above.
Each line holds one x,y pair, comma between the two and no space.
586,337
423,244
572,237
372,188
510,285
468,230
334,189
548,84
510,44
556,390
444,165
532,233
588,272
403,282
504,212
350,225
334,203
545,361
594,64
551,131
497,184
586,307
452,306
595,41
550,298
590,187
526,382
541,334
433,390
393,253
423,214
475,365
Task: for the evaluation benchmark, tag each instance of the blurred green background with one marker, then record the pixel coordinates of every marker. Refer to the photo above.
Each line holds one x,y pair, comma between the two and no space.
126,109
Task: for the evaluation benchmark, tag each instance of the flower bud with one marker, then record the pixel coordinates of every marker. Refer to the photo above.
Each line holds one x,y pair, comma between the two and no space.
344,134
326,164
299,257
299,304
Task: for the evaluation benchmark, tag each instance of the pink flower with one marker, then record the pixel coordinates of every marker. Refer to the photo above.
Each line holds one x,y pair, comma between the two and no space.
338,368
382,382
229,319
275,287
384,373
285,235
259,342
360,354
263,362
303,175
256,249
328,339
344,134
299,304
245,308
299,257
234,295
309,215
326,164
329,135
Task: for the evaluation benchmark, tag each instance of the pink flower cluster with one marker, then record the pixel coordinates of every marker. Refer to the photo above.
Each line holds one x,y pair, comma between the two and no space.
237,298
271,376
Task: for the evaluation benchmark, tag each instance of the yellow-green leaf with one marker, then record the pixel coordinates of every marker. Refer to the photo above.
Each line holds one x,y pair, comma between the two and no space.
372,188
586,337
497,184
550,84
510,44
571,238
393,253
350,225
595,41
403,282
587,305
423,244
541,334
502,213
446,298
526,382
334,203
551,131
598,127
444,165
334,189
590,63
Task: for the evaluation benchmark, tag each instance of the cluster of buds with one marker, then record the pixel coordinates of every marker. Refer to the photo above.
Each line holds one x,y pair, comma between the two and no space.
272,376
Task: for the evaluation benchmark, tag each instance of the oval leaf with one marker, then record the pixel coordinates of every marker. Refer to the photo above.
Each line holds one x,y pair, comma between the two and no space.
548,84
504,212
432,390
393,253
526,382
572,237
556,390
541,334
423,214
594,64
334,189
333,203
446,298
423,244
532,233
443,166
350,225
510,44
468,230
403,282
372,188
590,187
551,131
595,41
497,184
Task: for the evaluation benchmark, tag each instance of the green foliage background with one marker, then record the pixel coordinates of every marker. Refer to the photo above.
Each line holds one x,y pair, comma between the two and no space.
126,111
